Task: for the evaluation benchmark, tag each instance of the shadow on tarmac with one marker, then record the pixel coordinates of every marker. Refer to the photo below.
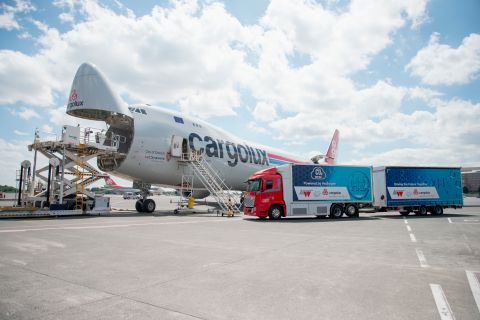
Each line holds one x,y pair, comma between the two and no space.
428,216
309,219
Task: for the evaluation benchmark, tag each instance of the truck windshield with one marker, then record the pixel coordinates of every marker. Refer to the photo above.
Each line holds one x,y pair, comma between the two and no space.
253,185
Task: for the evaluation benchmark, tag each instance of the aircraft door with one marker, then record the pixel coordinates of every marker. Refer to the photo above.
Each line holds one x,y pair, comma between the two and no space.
176,146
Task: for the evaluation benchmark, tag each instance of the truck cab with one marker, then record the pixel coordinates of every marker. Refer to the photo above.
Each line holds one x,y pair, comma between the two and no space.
264,195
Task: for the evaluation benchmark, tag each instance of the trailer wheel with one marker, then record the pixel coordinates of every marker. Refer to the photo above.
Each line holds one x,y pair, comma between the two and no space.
336,211
139,205
437,210
351,210
275,212
422,211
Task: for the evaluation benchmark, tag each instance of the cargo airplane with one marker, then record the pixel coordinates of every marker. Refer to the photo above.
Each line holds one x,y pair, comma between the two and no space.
151,140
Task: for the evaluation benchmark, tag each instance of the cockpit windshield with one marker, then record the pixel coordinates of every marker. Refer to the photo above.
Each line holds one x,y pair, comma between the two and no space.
253,185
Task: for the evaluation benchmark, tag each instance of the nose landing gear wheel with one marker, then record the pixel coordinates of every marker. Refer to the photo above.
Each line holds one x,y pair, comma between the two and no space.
139,205
148,205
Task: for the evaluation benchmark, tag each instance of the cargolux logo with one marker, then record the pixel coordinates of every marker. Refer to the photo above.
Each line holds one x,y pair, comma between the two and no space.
73,96
318,173
307,193
398,193
72,100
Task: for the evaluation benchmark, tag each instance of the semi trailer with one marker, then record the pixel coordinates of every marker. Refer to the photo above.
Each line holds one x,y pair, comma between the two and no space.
308,190
417,189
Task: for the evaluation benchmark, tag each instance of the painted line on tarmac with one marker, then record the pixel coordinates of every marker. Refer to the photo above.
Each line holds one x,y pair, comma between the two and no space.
474,286
117,225
412,237
449,220
92,223
409,229
441,301
422,259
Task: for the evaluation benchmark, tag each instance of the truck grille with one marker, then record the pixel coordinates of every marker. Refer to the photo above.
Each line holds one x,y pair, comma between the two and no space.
248,202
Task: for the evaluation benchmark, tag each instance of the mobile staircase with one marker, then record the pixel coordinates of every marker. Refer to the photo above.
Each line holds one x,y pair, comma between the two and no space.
213,182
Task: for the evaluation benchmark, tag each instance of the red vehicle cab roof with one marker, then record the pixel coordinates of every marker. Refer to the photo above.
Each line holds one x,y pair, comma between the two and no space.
263,172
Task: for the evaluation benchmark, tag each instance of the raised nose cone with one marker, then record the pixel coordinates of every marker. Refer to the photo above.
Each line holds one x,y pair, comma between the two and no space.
91,96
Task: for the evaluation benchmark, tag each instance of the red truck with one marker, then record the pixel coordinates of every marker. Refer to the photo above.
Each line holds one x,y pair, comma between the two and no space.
308,190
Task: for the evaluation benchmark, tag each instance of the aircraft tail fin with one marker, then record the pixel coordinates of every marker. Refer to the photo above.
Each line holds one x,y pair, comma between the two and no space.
111,182
331,155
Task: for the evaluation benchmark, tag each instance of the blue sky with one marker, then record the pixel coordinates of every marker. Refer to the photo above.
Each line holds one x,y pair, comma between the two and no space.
400,80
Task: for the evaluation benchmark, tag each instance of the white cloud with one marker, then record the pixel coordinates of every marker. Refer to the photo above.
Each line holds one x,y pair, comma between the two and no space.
189,55
255,127
440,64
25,114
461,156
8,19
13,153
25,78
198,56
47,129
20,133
264,112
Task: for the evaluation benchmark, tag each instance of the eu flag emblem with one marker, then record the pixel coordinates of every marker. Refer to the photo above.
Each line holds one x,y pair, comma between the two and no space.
178,119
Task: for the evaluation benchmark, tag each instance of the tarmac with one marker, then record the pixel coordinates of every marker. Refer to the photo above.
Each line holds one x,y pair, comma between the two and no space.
199,266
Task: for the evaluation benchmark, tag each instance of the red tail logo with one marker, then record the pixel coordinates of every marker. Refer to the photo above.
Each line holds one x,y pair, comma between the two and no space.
307,193
111,183
332,148
399,193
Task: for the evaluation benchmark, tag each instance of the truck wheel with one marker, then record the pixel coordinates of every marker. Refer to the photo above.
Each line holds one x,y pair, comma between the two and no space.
351,210
422,211
275,212
336,211
437,210
139,205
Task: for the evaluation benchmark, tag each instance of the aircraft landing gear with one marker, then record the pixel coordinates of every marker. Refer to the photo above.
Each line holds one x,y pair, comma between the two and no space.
147,205
144,204
139,205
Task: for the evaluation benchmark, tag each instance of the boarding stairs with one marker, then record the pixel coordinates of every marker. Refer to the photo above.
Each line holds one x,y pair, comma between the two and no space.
213,182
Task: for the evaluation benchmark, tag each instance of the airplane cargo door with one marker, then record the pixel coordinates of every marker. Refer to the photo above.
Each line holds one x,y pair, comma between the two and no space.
176,146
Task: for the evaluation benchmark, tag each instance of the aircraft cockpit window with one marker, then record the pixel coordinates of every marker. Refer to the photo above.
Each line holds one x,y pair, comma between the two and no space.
137,110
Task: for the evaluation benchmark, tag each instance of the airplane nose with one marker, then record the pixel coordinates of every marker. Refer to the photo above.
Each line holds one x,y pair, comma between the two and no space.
92,97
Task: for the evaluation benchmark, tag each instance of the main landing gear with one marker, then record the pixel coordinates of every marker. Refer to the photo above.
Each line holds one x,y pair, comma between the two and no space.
145,205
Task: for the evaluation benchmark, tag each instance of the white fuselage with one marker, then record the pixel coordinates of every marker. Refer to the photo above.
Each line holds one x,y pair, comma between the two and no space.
149,157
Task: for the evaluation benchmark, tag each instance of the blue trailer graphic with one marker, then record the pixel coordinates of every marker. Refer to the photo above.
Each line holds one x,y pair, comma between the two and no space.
417,188
332,183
